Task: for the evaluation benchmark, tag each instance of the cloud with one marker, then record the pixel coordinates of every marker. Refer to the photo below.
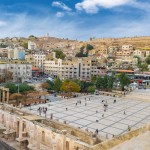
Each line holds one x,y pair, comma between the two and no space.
93,6
2,23
61,5
76,27
18,25
60,14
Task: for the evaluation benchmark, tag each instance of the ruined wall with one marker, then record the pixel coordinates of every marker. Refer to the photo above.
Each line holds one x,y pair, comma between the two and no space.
118,140
38,135
81,135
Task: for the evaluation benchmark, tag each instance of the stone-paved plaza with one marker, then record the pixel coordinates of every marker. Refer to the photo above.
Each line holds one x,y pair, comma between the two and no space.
90,113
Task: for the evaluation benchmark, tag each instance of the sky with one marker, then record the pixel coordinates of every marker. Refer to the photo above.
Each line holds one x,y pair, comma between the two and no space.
75,19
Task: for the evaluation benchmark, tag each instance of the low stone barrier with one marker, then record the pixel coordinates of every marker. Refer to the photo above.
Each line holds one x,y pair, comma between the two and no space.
120,139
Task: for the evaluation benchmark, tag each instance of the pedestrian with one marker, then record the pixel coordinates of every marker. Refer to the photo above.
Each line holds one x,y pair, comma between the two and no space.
40,112
102,115
124,113
129,128
51,116
85,98
80,101
96,111
46,108
76,104
124,93
96,131
66,108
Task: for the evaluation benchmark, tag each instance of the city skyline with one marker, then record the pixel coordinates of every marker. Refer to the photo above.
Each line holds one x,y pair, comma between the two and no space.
80,19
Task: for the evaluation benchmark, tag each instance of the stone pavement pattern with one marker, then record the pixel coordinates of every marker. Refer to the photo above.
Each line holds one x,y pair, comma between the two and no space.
84,115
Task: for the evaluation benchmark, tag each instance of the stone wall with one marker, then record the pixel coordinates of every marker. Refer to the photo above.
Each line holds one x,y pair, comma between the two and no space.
80,134
40,133
118,140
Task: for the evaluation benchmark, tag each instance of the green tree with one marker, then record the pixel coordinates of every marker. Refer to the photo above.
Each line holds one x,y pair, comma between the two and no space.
148,60
110,82
60,54
69,86
143,67
81,53
99,83
91,89
25,87
124,80
105,82
12,87
93,79
25,45
139,60
32,37
22,87
51,85
57,84
89,47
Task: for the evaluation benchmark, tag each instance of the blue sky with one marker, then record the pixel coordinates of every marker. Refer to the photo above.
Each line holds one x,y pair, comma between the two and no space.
75,19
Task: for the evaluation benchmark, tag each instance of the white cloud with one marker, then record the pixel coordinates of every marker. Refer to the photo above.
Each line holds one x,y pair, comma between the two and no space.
93,6
2,23
61,5
60,14
25,25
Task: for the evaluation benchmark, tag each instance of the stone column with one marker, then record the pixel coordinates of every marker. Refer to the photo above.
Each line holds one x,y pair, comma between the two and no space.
37,138
3,96
20,128
0,95
7,96
64,132
7,126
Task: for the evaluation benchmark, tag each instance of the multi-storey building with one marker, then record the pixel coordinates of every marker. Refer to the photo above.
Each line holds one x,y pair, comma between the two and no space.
127,47
124,51
37,60
112,50
31,45
21,71
76,68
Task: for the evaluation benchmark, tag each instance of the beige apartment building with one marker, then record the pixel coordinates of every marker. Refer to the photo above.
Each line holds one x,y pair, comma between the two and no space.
75,68
125,51
21,71
37,60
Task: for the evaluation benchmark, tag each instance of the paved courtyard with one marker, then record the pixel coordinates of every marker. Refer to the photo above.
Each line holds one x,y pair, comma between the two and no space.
90,113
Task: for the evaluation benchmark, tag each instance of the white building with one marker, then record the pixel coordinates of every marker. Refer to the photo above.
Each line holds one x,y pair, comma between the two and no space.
21,72
38,60
127,47
83,68
31,45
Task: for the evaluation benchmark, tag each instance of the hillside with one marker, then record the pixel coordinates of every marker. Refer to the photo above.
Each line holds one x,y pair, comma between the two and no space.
137,42
73,46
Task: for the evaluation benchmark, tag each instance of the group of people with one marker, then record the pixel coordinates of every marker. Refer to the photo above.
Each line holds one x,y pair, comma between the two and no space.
42,109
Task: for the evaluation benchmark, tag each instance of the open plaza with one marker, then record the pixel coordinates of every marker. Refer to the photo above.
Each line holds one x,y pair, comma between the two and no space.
89,113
